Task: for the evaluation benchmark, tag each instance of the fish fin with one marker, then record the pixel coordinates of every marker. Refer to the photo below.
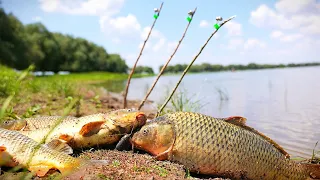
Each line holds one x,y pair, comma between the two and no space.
241,122
3,148
165,155
80,170
60,145
313,170
40,170
65,137
91,128
6,159
237,120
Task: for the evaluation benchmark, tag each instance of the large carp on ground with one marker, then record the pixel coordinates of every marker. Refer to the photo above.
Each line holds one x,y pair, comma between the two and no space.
221,147
91,130
17,149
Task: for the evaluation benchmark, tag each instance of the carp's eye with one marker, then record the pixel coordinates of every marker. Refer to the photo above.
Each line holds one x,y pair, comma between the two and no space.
145,132
129,110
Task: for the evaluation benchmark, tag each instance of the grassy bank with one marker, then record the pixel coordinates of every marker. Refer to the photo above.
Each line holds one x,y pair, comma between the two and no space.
49,95
89,76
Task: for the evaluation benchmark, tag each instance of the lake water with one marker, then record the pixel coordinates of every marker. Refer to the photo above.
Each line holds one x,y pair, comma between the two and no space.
284,104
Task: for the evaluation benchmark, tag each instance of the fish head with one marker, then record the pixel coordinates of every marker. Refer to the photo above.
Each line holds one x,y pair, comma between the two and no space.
17,124
154,138
129,117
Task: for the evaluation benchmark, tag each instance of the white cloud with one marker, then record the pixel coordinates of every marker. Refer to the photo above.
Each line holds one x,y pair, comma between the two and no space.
276,34
172,45
289,15
253,43
295,6
291,37
235,43
159,44
120,27
36,18
234,28
148,45
204,23
80,7
286,37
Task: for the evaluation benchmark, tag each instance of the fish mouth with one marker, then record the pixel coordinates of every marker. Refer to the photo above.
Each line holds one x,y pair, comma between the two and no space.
141,118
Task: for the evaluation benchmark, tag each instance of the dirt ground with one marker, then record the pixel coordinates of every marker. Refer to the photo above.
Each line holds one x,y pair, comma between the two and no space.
121,165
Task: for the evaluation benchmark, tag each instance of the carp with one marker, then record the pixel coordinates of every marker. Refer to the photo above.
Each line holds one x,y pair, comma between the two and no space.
92,130
224,147
17,149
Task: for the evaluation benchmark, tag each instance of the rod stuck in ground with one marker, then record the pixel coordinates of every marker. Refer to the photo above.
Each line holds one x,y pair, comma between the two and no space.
156,15
217,26
189,19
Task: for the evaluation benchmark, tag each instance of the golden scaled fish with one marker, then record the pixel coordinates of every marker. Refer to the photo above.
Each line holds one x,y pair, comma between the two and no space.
92,130
223,147
35,123
17,149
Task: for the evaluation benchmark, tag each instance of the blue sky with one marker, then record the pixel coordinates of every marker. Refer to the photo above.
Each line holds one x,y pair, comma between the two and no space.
267,31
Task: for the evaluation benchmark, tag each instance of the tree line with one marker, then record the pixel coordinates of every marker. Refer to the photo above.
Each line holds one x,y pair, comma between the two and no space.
143,69
22,45
206,67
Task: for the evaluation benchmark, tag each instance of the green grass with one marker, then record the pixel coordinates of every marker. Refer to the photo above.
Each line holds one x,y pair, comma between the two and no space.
161,171
90,76
115,163
181,101
8,81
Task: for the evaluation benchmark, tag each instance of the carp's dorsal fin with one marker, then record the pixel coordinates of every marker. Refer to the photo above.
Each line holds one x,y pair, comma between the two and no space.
91,128
241,122
237,120
59,145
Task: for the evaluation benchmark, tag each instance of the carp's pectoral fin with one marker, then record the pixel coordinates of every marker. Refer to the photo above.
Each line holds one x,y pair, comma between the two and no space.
165,155
40,170
91,128
2,149
60,145
65,137
162,156
6,159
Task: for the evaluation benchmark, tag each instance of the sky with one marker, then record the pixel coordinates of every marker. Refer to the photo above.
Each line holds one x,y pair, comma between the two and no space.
269,31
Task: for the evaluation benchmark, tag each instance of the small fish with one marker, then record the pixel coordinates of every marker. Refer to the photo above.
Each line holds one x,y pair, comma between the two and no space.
92,130
224,147
35,123
17,149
